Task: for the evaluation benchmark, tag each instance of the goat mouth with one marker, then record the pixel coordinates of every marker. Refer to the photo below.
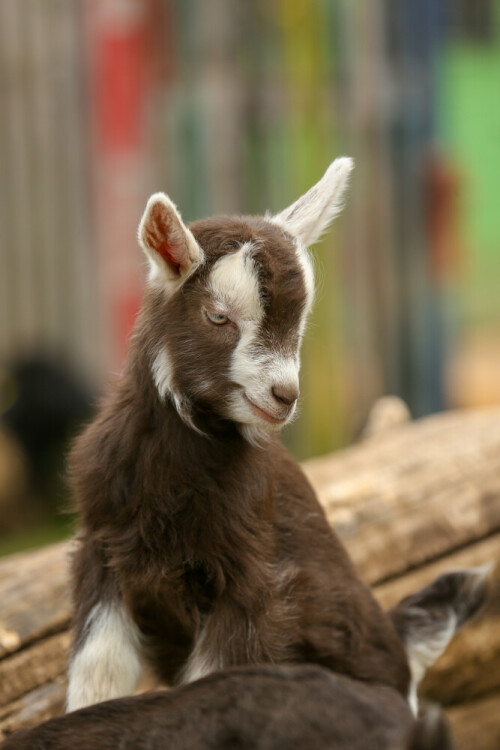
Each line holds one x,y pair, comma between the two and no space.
264,414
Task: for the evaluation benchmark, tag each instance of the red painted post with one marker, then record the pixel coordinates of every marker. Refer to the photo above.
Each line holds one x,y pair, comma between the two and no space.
119,87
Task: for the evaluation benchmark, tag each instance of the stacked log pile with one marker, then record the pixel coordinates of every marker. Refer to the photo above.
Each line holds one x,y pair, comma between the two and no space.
410,501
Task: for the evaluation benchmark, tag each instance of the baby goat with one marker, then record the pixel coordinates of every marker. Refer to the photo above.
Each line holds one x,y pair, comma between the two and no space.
280,707
202,544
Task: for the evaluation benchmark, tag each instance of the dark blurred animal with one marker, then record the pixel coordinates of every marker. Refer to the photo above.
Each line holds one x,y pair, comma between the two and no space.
304,707
249,708
42,405
47,405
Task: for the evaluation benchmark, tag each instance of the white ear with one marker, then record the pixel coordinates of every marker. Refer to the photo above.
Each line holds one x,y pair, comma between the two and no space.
171,249
427,620
311,214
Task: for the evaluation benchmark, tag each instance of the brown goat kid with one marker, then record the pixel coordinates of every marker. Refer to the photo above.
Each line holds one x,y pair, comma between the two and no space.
202,544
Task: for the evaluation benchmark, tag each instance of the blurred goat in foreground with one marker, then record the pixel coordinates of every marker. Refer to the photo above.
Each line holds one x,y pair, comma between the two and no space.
250,708
267,707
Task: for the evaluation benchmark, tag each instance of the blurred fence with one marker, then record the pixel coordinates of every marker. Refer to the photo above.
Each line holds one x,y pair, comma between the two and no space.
47,279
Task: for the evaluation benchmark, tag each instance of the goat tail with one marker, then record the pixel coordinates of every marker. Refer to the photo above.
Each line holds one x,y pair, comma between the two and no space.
431,732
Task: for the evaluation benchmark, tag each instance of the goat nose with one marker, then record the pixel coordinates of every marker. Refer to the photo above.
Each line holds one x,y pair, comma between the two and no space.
285,394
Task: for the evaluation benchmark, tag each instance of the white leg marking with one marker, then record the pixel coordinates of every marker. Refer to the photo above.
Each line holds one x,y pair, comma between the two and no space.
108,664
200,662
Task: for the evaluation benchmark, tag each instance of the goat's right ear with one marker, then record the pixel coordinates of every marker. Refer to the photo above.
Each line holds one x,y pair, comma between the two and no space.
172,251
311,214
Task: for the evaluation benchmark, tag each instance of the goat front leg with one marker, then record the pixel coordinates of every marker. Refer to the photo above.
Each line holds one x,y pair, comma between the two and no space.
107,659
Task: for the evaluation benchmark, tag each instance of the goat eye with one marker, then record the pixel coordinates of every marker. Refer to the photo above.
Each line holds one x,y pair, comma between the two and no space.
217,318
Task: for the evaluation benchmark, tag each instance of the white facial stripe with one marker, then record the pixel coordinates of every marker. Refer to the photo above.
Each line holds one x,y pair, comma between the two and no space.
305,263
246,363
108,665
234,283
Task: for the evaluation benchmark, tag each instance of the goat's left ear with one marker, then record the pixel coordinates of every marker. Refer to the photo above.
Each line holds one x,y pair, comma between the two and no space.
426,621
311,214
171,249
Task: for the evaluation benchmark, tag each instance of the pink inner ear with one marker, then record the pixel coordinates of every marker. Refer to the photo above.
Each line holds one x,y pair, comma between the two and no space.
165,250
162,235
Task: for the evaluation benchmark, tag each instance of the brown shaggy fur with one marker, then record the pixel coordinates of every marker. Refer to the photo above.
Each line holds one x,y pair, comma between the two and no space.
204,536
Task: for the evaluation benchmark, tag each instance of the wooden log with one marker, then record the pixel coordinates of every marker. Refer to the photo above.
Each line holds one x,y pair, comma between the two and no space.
409,502
388,412
45,660
34,596
36,706
414,492
476,724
